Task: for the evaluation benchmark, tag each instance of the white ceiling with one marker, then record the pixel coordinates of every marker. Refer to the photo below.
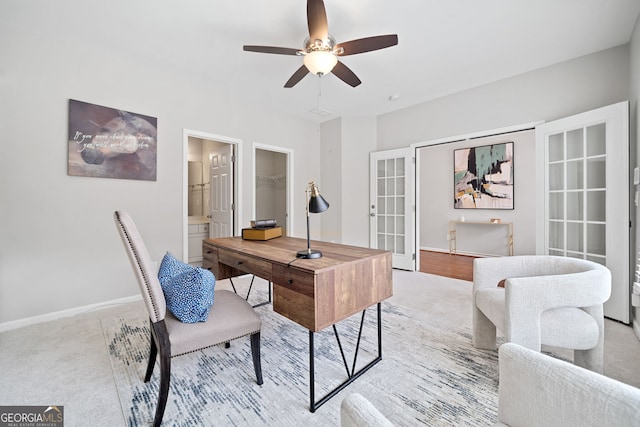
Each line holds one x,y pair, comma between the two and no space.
445,46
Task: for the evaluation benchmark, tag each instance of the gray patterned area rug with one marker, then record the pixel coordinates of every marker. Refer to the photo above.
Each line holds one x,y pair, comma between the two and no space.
430,374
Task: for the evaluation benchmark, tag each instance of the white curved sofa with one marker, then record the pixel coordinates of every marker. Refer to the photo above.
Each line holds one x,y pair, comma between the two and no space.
556,301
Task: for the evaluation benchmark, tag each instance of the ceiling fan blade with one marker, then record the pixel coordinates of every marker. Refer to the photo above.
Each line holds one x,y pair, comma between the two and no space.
345,74
297,76
317,20
366,44
272,49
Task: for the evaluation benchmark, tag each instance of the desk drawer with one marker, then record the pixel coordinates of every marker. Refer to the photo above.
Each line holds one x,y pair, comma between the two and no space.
242,262
209,253
293,279
293,296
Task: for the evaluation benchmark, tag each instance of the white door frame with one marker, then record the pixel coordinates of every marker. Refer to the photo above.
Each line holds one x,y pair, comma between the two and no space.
237,190
289,153
449,140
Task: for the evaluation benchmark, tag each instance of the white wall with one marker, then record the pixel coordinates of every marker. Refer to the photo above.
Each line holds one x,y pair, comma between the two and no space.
58,244
436,201
346,144
549,93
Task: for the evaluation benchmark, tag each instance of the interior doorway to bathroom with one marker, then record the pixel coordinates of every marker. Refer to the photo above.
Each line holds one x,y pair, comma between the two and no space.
210,190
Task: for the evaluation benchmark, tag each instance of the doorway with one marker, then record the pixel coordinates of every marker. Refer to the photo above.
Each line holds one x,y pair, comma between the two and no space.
272,184
211,187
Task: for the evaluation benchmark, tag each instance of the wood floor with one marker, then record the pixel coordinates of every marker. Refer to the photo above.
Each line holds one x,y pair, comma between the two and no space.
443,264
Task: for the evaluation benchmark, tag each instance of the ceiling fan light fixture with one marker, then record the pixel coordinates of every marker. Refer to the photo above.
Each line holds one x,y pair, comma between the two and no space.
320,62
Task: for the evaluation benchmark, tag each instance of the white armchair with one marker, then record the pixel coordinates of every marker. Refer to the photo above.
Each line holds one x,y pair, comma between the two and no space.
538,390
548,300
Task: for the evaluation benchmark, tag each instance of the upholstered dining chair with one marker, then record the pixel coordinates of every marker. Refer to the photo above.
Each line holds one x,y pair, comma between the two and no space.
230,317
543,299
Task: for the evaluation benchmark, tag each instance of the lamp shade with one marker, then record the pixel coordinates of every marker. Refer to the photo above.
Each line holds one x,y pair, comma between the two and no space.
317,203
320,62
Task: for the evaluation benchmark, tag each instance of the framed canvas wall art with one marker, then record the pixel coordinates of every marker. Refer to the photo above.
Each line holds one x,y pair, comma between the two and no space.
111,143
483,177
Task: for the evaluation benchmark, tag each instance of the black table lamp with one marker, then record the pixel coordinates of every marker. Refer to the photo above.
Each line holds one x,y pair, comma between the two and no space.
316,204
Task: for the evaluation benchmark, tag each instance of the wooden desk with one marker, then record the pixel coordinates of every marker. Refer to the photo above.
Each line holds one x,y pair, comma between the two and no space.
315,293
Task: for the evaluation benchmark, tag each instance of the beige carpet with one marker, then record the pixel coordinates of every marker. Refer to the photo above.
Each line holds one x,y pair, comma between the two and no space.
66,362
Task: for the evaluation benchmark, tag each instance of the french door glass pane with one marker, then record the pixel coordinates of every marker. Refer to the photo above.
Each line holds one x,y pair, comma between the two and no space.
391,186
390,225
596,172
556,147
596,203
575,238
382,171
596,243
556,176
575,144
556,235
556,206
400,205
596,139
391,167
575,206
400,244
575,175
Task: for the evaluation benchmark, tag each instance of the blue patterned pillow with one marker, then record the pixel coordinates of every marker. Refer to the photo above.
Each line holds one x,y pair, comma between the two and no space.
188,290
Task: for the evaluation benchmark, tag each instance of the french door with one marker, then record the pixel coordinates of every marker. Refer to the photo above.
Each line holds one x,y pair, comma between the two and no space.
586,194
392,205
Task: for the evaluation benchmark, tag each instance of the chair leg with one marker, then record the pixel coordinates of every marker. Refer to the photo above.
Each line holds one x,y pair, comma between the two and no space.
153,353
163,346
163,394
255,354
484,331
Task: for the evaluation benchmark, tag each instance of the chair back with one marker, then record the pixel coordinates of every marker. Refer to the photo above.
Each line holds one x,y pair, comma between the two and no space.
142,266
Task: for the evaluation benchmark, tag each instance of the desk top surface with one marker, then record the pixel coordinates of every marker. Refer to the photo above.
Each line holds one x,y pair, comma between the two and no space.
282,250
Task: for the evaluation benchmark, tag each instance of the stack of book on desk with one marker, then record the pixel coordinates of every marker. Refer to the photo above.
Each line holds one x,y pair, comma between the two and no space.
262,229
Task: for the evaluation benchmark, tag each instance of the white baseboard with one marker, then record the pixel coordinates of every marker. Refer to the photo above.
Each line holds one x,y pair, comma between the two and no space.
15,324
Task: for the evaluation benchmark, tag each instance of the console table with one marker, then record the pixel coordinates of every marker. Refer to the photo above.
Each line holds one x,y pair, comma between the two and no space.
453,231
315,293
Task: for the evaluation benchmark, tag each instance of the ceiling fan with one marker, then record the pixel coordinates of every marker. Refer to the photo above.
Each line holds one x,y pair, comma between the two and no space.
321,51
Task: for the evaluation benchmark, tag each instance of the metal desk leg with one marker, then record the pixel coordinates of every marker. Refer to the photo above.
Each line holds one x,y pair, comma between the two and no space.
249,292
351,374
